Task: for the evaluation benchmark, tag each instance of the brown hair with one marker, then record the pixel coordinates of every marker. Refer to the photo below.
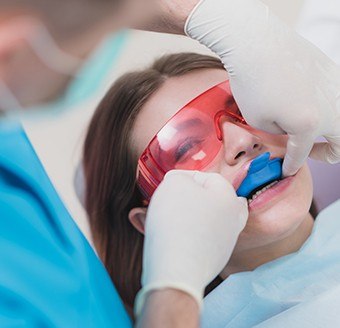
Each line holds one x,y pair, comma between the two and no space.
110,167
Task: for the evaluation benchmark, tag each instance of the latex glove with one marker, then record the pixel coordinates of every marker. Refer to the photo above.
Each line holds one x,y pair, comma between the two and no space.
192,225
281,82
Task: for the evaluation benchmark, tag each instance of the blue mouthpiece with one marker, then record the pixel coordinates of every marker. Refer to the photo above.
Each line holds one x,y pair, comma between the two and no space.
262,171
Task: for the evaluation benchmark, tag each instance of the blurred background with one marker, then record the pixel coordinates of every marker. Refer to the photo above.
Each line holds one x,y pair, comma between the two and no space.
58,139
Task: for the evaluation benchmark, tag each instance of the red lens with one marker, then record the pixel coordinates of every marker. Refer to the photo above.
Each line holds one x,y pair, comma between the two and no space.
190,140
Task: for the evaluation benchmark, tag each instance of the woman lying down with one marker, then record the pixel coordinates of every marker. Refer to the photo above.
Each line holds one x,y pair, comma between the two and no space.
179,114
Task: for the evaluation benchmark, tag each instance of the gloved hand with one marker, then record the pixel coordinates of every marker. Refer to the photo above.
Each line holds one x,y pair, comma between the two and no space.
192,225
281,82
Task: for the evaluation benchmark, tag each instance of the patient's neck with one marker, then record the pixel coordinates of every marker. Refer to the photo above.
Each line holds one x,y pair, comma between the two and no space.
250,259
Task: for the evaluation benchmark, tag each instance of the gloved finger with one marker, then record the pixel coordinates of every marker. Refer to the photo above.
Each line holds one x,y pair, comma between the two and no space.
298,149
244,212
214,181
243,205
327,151
243,201
189,173
204,179
265,125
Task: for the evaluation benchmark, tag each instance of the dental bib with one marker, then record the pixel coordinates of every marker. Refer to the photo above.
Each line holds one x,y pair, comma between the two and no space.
262,171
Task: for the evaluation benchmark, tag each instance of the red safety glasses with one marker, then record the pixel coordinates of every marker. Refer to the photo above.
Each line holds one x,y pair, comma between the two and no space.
190,140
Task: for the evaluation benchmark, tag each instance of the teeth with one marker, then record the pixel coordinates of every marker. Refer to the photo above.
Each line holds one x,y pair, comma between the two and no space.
262,190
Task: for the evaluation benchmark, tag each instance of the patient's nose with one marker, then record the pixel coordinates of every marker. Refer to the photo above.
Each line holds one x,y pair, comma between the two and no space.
239,143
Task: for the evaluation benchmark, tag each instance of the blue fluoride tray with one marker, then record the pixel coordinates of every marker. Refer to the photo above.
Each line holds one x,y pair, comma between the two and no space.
262,170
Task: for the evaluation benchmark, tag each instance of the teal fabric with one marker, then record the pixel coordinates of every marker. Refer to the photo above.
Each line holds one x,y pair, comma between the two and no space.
91,75
294,284
49,274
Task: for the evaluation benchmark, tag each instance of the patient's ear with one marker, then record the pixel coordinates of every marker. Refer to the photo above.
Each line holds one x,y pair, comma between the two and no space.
137,218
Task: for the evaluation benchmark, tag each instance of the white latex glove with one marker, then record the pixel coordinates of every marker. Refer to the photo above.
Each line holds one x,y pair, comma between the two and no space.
281,82
192,225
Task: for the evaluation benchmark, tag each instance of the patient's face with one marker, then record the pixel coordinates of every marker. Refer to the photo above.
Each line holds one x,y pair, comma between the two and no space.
272,216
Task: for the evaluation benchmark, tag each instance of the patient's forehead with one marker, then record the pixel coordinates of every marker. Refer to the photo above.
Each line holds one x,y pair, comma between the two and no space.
172,96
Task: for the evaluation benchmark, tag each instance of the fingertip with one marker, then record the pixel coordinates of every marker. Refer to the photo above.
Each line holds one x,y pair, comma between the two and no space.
217,181
244,213
243,201
289,166
172,173
287,171
244,204
202,178
298,149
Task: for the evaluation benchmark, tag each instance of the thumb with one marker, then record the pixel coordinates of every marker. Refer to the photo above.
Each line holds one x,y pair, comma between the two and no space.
298,149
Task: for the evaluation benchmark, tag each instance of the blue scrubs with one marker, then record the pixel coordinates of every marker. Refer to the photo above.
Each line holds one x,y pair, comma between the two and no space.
49,274
298,290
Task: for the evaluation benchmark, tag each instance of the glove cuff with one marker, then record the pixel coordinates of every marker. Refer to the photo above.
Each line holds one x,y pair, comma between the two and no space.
142,294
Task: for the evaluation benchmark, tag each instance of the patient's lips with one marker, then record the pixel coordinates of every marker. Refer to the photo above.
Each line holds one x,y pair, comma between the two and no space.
270,196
